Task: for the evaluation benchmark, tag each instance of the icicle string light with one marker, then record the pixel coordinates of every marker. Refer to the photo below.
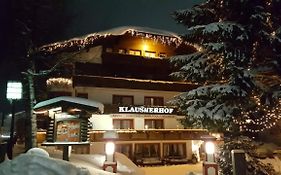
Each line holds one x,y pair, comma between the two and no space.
80,43
59,82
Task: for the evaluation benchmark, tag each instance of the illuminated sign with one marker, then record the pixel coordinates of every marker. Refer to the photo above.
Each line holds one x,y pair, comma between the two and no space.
141,109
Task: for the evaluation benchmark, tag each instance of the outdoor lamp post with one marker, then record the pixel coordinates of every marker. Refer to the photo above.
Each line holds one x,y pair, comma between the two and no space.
210,151
210,167
109,136
109,151
14,92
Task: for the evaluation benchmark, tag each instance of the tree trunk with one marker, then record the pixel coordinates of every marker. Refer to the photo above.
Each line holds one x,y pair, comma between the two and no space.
33,119
31,140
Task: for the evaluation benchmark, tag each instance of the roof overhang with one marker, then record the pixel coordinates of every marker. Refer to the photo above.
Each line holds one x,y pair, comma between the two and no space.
71,102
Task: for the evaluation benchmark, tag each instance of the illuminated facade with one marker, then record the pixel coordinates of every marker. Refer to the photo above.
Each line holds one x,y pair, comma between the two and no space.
127,70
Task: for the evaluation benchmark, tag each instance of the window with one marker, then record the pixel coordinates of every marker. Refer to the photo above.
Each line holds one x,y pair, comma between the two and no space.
174,150
134,52
125,149
122,51
123,100
161,54
82,95
123,123
154,123
108,49
150,54
154,101
147,150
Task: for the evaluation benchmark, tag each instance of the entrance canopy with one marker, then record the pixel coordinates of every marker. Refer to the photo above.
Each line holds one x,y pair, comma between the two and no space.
71,102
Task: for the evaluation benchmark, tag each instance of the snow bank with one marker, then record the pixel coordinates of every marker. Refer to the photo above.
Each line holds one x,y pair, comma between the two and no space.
37,161
32,164
124,165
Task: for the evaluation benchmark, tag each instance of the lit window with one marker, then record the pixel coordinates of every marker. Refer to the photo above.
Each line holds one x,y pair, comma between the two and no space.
122,100
122,51
147,150
135,52
125,149
154,123
154,101
174,150
150,54
123,124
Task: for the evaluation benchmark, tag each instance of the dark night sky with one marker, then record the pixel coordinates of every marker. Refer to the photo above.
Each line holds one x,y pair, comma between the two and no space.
89,16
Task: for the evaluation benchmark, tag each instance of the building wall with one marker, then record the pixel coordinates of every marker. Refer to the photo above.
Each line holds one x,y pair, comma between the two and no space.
99,147
105,122
104,95
101,122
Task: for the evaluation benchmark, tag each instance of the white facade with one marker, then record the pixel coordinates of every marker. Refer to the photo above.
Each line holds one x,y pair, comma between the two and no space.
104,95
105,122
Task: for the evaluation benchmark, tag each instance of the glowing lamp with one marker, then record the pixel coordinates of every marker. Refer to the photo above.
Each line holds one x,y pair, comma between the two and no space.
14,90
210,147
109,148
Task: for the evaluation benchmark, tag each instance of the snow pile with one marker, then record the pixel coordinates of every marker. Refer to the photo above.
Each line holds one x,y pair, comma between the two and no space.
33,164
37,161
124,165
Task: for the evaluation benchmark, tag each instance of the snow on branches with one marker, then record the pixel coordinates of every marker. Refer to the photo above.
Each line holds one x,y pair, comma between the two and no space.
239,48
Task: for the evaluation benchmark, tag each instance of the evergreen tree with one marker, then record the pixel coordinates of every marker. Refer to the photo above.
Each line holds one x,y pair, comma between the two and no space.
236,65
29,24
254,165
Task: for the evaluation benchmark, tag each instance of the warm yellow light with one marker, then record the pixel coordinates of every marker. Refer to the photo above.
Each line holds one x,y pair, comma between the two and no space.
145,47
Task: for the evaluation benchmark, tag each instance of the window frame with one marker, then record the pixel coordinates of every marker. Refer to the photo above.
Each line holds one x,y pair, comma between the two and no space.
149,54
121,123
153,97
176,151
120,96
154,127
122,51
134,51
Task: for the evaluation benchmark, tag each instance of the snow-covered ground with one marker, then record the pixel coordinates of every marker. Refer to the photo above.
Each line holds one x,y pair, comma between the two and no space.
83,164
50,163
184,169
80,164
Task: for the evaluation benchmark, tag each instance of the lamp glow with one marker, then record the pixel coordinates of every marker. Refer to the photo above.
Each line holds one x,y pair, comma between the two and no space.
210,147
145,47
14,90
109,148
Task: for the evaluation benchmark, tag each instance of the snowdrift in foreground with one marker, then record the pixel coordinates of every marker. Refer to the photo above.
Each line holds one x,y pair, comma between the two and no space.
37,161
29,164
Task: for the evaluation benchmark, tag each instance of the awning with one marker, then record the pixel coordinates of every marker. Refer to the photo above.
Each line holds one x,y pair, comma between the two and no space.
74,102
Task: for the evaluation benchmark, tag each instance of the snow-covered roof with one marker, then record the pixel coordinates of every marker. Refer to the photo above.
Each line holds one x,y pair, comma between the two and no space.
125,29
79,43
76,100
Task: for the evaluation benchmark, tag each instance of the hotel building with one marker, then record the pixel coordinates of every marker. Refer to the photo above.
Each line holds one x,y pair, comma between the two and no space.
127,70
